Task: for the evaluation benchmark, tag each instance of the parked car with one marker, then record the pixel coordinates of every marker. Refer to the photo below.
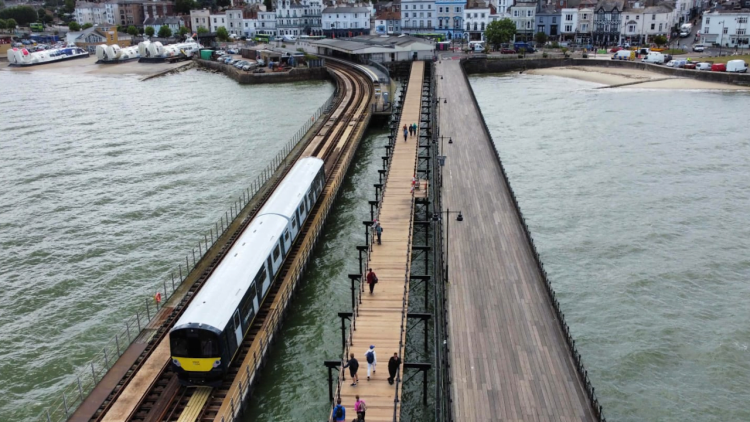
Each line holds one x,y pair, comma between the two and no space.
738,66
624,55
689,65
699,48
703,66
220,52
232,61
671,63
615,49
232,51
654,57
718,67
507,51
680,63
240,63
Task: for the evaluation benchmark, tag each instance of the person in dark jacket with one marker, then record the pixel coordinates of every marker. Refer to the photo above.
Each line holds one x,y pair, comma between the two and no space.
339,412
353,365
393,363
371,279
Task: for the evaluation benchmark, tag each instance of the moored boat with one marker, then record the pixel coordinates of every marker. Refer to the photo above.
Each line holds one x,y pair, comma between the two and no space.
113,54
23,57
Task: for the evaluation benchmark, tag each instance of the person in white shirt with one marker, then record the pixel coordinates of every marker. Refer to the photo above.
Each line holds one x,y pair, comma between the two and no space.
372,360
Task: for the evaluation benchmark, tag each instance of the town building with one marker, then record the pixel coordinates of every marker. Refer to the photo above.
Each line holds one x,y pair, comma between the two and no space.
476,17
200,19
607,22
376,48
548,21
218,21
450,18
726,27
584,33
156,9
346,21
171,22
234,22
418,16
105,34
111,12
523,13
387,22
266,23
93,13
569,21
641,24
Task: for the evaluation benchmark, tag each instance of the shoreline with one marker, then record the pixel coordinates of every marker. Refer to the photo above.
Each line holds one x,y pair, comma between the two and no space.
88,66
611,77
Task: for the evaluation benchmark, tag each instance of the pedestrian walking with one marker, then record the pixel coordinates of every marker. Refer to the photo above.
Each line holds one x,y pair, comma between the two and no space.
406,132
339,412
393,363
360,407
353,365
416,128
378,231
372,360
372,279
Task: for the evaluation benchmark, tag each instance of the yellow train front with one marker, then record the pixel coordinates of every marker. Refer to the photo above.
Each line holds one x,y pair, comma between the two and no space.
208,334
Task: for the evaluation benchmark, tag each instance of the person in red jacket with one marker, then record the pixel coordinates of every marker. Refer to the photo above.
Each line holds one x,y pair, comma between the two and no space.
371,279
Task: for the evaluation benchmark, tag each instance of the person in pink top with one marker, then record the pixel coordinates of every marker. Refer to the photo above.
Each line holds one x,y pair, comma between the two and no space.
360,407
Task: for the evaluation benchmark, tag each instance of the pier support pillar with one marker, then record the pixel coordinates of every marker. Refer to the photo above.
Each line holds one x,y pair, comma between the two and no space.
353,278
331,365
344,316
424,367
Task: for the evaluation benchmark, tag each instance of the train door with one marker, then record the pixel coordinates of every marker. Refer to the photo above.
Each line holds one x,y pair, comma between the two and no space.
277,258
302,210
267,282
295,227
286,242
237,327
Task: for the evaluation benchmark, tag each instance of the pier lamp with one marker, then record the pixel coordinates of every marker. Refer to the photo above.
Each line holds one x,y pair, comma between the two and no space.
436,216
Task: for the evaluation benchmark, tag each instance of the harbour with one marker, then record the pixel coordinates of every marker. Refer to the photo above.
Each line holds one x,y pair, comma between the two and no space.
428,164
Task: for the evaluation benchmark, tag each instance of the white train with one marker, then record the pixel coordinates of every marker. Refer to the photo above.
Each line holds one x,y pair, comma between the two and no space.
115,54
205,339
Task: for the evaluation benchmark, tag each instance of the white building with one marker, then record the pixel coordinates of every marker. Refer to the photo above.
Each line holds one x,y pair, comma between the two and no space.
523,14
640,25
200,18
388,22
346,21
234,22
476,17
569,23
728,28
217,21
111,12
418,16
249,26
93,13
266,23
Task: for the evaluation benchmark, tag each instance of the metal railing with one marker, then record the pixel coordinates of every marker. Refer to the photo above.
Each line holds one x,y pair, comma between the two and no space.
570,342
86,378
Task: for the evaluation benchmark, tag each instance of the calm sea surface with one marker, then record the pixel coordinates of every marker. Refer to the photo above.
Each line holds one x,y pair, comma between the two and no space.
107,183
638,202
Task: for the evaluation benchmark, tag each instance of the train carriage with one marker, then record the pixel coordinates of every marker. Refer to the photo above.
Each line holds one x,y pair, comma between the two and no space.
207,336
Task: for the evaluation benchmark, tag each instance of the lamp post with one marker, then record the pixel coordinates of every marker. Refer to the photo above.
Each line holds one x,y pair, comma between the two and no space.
435,218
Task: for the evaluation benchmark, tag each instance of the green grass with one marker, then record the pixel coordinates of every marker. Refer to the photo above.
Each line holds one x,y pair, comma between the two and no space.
724,59
674,51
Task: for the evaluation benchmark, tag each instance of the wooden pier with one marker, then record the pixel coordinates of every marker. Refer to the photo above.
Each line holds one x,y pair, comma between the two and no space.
381,314
508,354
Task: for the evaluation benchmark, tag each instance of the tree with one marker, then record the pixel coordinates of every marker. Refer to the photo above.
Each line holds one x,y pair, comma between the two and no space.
2,24
23,15
73,26
540,38
222,34
184,6
223,3
70,6
165,32
87,25
11,24
500,32
660,40
269,5
132,30
202,30
184,30
150,31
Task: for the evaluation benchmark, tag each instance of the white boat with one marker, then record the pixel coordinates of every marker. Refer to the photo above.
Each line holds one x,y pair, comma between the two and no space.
110,54
23,57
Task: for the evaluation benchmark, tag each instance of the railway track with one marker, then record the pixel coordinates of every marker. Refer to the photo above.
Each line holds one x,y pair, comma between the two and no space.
166,399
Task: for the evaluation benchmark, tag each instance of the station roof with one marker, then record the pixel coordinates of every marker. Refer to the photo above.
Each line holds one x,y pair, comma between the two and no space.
368,44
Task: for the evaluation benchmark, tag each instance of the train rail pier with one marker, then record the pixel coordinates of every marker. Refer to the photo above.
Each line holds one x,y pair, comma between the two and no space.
141,386
511,355
381,317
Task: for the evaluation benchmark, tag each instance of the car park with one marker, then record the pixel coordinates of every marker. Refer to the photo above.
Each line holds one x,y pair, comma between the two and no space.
718,67
699,48
703,66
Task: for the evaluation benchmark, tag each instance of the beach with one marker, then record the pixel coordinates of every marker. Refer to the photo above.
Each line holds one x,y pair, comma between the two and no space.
632,78
88,65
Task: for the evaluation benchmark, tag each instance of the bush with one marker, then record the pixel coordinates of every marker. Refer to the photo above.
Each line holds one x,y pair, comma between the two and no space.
283,45
520,56
73,26
555,44
544,55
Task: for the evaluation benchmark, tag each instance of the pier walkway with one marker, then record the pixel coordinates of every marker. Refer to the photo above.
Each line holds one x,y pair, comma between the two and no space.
382,314
508,354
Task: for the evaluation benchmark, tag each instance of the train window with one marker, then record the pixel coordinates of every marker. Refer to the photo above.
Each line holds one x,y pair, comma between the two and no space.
294,222
179,345
286,234
194,344
276,253
260,277
246,308
209,348
237,320
302,209
310,197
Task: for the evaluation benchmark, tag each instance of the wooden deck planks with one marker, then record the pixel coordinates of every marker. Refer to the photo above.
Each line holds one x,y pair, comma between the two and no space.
379,320
508,355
